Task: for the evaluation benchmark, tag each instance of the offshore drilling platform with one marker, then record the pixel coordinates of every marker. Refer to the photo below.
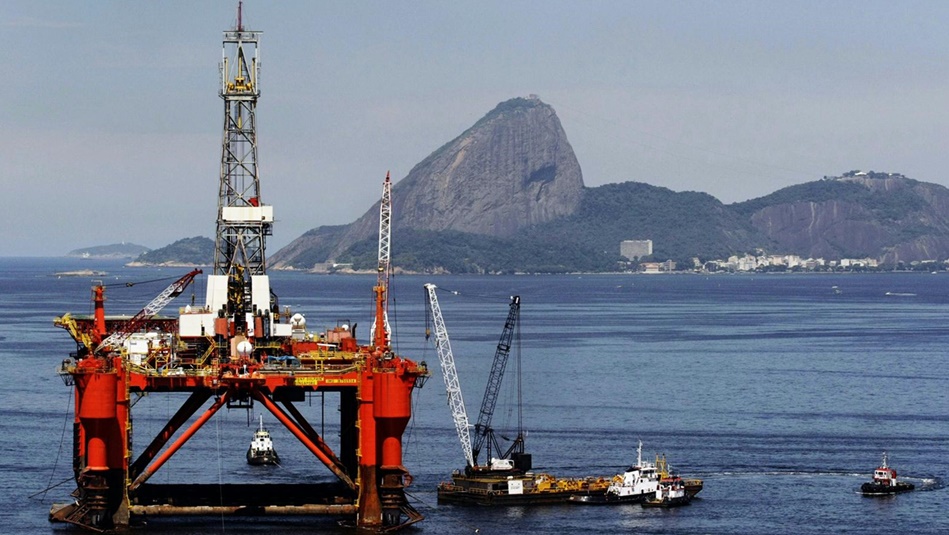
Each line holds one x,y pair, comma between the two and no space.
232,352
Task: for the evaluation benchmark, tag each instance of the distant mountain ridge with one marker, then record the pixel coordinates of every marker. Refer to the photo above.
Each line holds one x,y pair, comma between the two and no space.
858,214
513,177
115,250
507,196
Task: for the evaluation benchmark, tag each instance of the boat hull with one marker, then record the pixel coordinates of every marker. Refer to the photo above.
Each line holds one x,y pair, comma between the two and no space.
606,499
668,502
262,458
512,491
534,498
693,486
874,489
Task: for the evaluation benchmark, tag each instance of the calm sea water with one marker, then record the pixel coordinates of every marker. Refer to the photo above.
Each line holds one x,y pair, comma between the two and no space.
778,392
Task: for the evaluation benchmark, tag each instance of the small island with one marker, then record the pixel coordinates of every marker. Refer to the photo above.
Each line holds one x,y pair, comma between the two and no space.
82,273
116,251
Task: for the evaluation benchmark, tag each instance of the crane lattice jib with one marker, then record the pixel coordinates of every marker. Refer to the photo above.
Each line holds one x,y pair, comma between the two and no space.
452,386
116,339
385,239
385,231
483,427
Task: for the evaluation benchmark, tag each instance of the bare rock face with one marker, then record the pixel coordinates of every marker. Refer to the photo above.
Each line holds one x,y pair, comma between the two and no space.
512,169
878,215
828,229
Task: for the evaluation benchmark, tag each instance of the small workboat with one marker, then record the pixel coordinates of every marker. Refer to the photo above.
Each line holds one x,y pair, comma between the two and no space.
261,449
884,482
671,493
637,483
632,486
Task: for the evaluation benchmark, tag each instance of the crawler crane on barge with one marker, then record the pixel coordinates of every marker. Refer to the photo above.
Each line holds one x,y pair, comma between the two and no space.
507,479
222,355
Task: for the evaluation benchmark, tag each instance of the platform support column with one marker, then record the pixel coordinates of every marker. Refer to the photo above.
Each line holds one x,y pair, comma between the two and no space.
392,410
370,508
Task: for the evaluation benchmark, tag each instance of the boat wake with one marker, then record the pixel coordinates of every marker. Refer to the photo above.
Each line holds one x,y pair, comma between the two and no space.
927,483
779,473
923,483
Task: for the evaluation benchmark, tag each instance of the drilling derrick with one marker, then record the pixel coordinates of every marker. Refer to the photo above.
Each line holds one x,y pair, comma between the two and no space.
242,221
239,289
236,350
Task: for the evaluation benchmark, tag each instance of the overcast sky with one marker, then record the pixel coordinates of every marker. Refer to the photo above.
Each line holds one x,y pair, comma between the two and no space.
110,123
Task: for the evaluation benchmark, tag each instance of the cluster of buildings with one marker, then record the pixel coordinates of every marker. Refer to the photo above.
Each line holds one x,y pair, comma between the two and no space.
634,250
766,262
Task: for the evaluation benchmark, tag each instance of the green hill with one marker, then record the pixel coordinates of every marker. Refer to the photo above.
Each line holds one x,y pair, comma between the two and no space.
681,225
197,251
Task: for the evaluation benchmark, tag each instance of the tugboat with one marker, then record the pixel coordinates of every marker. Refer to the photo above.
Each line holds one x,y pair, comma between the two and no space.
884,482
632,486
636,483
261,450
671,493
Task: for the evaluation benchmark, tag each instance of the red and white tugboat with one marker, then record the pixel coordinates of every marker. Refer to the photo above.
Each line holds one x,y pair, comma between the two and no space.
884,482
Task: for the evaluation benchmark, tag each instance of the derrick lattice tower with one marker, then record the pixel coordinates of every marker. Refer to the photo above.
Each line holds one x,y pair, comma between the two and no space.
243,221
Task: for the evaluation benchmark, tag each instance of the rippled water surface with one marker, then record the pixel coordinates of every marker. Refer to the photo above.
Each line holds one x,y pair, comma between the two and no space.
778,392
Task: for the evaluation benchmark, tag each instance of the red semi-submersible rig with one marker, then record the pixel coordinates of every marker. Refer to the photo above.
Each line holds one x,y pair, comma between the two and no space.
231,352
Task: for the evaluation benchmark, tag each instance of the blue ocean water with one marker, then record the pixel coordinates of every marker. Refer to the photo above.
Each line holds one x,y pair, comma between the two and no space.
778,391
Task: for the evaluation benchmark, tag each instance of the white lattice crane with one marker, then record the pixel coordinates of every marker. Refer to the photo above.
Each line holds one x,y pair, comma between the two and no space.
447,361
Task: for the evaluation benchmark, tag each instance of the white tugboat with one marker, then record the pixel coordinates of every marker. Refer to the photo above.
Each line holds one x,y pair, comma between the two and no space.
261,449
884,482
637,483
671,493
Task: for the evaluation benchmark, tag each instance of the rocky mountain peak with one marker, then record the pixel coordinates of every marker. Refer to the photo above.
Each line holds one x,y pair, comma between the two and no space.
512,169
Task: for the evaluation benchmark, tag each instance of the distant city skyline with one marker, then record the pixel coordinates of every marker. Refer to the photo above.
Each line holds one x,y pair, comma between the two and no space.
111,124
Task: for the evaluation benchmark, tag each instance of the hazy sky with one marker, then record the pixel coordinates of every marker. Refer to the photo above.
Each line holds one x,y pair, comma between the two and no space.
110,125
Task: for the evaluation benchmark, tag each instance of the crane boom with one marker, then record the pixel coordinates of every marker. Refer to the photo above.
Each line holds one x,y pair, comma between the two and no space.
453,387
483,427
172,291
385,240
385,230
